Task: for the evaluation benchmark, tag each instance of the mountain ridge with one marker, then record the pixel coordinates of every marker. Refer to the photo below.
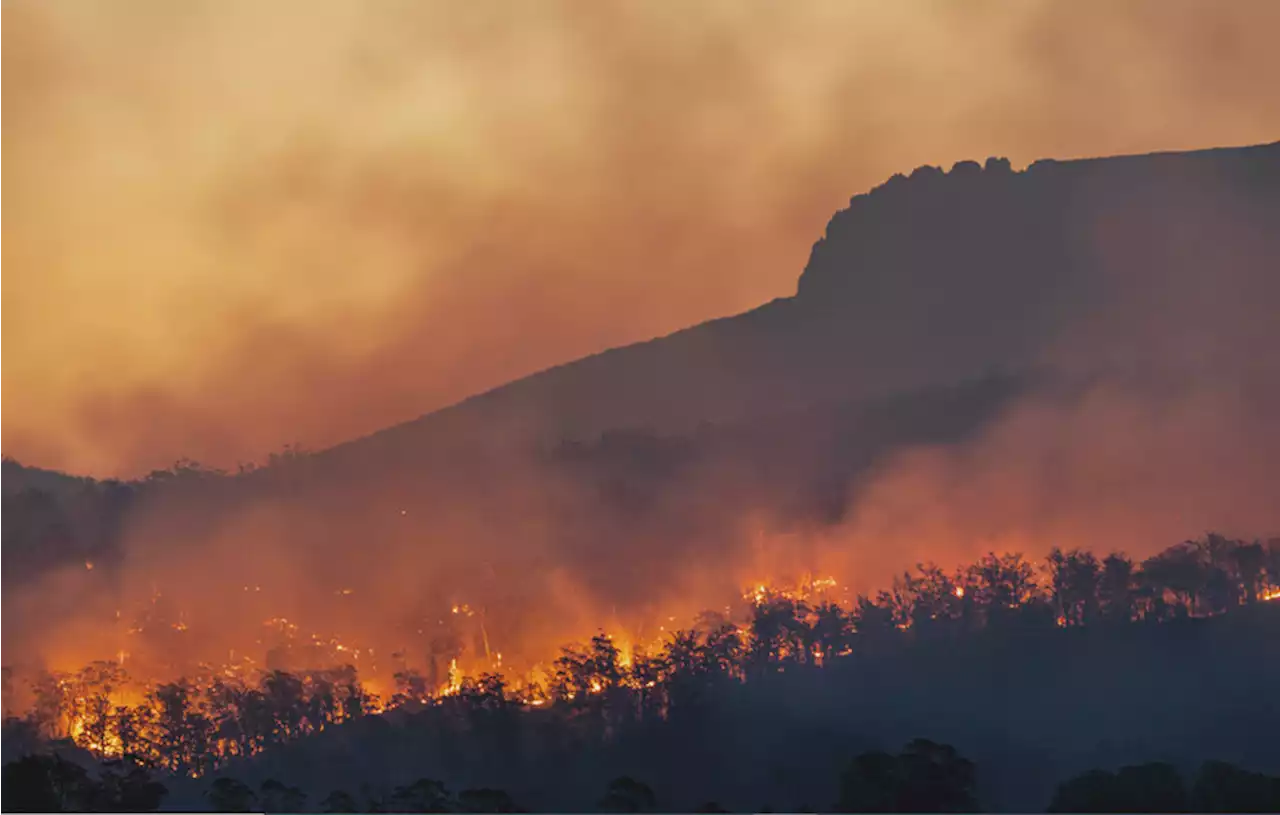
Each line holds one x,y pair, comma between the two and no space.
777,340
983,357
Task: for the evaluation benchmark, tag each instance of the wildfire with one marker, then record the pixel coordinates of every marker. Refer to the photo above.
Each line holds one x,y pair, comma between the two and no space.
311,681
807,589
107,746
455,679
88,710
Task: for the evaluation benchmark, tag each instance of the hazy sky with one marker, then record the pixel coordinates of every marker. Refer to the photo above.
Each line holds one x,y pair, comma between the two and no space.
236,225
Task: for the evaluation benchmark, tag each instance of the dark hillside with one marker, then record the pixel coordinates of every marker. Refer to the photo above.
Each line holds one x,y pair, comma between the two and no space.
927,280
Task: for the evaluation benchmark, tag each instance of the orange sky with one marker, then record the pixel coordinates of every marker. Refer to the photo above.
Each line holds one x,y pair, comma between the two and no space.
237,225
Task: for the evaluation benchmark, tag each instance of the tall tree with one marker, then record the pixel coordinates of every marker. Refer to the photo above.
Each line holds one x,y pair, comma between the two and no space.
1155,787
1116,589
1179,571
1076,580
924,777
1250,562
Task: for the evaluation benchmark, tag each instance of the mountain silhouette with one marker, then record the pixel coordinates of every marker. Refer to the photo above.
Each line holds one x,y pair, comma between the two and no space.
1122,310
931,280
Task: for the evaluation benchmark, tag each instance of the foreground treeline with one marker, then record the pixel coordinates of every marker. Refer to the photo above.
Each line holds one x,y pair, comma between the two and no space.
194,726
923,777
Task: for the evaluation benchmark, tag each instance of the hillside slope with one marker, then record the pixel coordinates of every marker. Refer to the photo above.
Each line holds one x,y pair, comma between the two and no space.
975,359
938,278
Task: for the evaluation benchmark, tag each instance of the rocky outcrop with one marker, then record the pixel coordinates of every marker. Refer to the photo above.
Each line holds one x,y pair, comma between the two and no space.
940,277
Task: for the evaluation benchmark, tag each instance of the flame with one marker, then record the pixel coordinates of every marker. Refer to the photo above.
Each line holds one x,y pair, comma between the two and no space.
807,589
467,661
88,710
455,680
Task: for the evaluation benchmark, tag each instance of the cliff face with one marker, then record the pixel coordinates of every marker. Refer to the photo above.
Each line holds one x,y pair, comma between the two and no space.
984,263
940,277
965,266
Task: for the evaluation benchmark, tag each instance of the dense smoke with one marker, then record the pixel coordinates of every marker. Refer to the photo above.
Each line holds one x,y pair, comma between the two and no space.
240,246
234,226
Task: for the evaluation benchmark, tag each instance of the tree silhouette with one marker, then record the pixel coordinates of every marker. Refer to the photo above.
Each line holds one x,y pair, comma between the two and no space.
870,784
775,636
875,622
1076,582
124,786
937,779
423,795
229,795
924,777
1093,791
937,600
1000,584
276,797
832,630
1250,562
40,783
625,794
1179,571
1115,589
486,800
340,802
1222,787
1139,788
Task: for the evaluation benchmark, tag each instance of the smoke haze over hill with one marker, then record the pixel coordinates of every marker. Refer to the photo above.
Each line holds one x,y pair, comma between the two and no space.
432,243
218,244
977,360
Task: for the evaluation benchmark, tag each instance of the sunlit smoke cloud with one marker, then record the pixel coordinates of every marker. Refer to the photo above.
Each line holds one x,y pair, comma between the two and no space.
235,225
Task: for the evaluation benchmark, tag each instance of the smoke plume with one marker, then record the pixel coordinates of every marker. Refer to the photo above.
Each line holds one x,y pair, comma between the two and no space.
235,226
